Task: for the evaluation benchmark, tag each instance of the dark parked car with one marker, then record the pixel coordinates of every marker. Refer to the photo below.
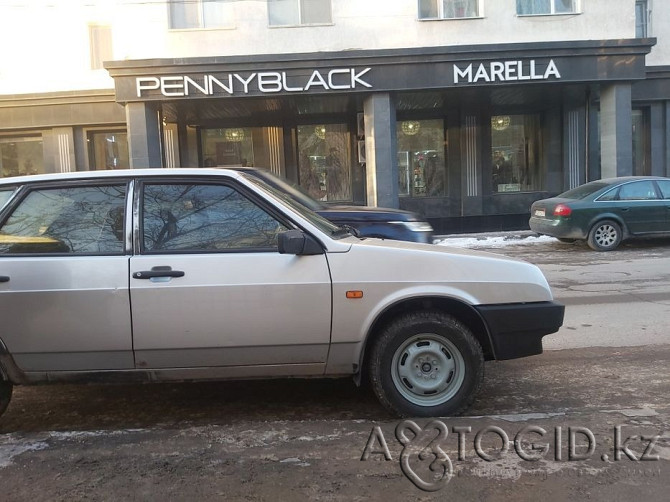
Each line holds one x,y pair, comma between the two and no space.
606,211
385,223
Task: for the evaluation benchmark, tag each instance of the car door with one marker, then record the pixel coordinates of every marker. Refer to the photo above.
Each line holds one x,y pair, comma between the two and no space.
209,287
664,187
64,298
641,208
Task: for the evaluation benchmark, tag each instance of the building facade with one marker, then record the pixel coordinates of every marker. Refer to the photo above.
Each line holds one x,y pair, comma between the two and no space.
465,111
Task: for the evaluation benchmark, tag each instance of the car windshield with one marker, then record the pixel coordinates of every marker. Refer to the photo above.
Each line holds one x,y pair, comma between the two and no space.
315,219
584,190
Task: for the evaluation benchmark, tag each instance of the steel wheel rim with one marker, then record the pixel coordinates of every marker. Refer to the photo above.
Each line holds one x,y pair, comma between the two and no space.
427,370
606,235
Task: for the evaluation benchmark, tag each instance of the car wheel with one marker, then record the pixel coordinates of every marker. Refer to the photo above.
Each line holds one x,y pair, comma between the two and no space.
566,241
426,364
605,236
5,395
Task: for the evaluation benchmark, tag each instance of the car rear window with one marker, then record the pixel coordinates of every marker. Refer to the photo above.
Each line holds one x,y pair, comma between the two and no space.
584,190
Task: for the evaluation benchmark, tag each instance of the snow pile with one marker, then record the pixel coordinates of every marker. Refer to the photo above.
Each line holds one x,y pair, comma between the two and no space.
493,240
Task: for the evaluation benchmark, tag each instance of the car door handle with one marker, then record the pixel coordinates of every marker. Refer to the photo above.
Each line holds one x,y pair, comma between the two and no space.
4,278
158,272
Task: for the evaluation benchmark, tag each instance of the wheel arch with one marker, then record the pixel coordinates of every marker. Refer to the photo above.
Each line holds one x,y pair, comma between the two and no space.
609,216
460,310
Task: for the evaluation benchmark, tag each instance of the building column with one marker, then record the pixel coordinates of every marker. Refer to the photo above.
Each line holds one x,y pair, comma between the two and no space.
144,144
616,131
381,162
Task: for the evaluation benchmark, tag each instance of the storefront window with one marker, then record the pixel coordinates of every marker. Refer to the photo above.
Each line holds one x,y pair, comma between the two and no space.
21,156
641,143
324,161
515,145
448,9
421,154
108,150
231,146
531,7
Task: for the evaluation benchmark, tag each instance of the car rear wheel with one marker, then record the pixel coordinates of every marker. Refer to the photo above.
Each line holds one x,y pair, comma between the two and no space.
5,395
605,235
426,364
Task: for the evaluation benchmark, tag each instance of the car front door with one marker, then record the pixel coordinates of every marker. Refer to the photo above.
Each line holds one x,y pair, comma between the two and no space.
64,279
641,208
209,288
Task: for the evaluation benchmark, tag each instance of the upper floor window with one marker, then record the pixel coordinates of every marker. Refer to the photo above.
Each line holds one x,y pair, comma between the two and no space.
100,40
194,14
299,12
448,9
539,7
641,18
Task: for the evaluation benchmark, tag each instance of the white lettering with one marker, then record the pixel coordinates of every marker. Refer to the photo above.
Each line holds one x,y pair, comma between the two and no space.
497,69
551,70
313,80
510,70
339,71
533,73
285,85
213,80
188,80
356,77
481,73
467,73
153,84
177,83
246,82
271,79
527,75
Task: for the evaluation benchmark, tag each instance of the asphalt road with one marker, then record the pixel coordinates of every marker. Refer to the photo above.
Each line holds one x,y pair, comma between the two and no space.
591,415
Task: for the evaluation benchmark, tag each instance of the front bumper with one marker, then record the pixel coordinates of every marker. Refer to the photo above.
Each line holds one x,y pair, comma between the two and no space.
517,329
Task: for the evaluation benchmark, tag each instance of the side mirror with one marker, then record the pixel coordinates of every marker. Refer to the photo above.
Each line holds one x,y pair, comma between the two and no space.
298,243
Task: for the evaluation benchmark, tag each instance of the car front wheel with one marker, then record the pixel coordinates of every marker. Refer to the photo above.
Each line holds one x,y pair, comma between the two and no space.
5,395
605,236
426,364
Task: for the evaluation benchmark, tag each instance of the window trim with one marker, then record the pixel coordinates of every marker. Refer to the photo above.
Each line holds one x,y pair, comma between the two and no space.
440,15
577,11
300,23
24,191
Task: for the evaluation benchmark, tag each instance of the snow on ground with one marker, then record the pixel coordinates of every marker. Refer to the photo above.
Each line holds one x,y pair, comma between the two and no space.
493,240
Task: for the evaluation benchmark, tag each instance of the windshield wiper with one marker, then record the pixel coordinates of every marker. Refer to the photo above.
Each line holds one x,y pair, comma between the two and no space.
348,229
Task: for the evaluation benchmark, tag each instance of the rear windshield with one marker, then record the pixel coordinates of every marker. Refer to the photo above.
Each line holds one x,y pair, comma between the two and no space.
584,190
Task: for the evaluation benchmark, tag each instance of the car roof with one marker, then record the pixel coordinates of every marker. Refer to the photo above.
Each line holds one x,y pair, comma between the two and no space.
624,179
118,173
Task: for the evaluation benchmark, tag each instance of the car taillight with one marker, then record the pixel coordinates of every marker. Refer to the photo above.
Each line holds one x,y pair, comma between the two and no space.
562,210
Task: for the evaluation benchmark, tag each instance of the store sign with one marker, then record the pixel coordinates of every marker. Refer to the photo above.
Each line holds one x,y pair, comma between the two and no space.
337,79
505,71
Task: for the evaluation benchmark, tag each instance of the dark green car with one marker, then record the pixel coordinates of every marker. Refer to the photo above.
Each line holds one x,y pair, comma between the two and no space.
606,212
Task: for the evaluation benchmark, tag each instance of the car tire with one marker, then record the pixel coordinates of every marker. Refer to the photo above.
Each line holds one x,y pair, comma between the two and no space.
5,395
426,364
605,235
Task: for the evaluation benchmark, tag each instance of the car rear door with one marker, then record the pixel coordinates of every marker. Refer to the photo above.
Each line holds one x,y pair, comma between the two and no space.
64,298
664,187
209,288
641,208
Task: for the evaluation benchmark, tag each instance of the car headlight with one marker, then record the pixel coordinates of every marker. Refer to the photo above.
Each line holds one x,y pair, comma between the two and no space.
415,226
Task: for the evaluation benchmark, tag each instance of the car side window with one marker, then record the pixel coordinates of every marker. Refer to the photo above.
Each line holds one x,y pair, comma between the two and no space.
638,190
5,195
76,220
204,218
664,185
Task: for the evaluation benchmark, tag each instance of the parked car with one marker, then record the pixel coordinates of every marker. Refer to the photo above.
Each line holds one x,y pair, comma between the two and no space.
381,222
193,274
606,212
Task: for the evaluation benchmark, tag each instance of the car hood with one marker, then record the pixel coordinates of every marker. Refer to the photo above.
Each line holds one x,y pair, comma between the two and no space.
366,213
476,277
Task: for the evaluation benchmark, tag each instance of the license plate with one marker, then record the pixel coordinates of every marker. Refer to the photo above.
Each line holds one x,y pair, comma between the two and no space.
540,213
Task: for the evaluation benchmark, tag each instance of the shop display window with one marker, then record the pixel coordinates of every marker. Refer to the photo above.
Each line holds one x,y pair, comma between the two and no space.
21,156
108,150
515,153
421,158
324,161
